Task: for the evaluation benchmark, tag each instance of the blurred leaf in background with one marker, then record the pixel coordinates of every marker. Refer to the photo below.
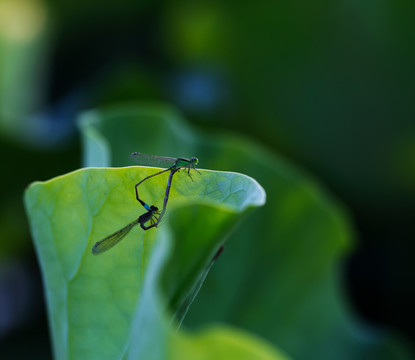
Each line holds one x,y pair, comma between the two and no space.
24,59
279,276
330,85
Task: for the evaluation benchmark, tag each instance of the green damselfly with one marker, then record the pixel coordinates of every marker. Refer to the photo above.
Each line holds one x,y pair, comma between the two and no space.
172,164
165,161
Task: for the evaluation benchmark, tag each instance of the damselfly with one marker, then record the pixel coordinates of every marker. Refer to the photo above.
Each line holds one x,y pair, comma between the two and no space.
173,164
113,239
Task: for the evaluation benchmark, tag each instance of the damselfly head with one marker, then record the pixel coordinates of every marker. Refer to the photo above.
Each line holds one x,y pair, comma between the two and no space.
194,160
154,208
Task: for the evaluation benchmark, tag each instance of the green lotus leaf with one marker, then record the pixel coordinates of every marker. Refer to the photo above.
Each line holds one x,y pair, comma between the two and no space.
109,306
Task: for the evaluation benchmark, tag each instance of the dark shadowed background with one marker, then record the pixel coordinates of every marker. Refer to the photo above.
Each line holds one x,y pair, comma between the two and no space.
327,84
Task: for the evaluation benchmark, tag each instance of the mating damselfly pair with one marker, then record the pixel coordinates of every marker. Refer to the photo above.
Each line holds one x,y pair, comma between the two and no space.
152,215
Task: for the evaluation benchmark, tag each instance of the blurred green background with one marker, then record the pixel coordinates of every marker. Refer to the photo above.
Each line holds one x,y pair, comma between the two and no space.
327,84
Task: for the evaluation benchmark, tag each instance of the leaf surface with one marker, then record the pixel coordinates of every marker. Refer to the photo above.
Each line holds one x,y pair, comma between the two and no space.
109,306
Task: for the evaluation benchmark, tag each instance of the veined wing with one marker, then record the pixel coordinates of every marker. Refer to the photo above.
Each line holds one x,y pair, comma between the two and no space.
147,159
113,239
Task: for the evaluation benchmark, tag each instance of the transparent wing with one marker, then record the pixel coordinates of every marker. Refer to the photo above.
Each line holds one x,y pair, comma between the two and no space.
113,239
146,159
